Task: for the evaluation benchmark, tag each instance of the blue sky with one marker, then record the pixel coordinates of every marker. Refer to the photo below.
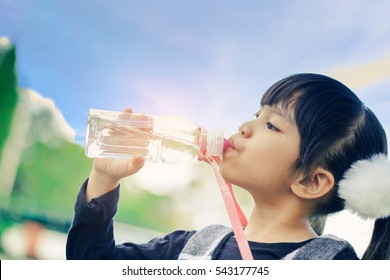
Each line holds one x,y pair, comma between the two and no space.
207,60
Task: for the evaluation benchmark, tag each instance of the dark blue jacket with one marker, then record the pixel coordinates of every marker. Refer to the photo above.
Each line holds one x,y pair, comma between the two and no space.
91,236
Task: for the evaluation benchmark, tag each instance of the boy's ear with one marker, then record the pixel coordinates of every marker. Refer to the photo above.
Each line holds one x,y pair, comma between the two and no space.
319,183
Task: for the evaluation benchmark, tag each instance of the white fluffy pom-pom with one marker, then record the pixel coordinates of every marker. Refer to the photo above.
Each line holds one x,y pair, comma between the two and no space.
366,187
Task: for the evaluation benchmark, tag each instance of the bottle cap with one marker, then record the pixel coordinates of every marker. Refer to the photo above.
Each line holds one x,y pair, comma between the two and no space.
226,144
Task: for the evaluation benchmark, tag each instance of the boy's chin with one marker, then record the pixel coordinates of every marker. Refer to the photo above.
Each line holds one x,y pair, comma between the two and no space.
226,175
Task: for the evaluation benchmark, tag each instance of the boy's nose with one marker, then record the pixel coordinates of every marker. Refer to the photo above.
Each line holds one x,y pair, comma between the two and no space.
244,130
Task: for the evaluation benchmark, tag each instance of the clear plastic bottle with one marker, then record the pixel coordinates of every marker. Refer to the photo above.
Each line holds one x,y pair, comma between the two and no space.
158,138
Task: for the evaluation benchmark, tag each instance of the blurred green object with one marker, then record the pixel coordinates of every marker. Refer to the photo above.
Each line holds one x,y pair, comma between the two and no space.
8,88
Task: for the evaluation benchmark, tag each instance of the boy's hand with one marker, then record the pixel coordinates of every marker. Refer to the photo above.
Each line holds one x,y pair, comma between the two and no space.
106,173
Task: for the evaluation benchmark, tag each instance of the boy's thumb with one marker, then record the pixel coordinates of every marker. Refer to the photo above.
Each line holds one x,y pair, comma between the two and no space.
136,163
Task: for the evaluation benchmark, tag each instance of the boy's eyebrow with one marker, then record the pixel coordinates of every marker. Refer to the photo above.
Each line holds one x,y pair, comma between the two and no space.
283,114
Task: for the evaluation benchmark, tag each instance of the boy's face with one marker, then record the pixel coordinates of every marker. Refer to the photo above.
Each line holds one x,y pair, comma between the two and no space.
262,154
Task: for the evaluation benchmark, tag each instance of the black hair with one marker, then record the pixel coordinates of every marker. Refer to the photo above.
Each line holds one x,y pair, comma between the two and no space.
336,130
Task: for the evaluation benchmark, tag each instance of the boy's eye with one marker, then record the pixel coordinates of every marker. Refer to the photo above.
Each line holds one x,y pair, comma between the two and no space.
255,116
271,126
